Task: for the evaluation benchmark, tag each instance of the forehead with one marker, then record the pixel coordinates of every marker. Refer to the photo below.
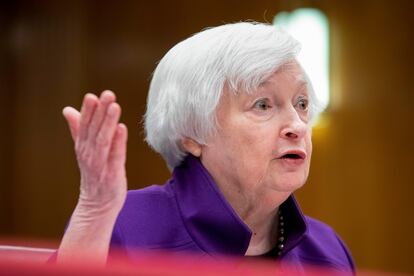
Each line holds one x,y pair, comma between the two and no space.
289,73
288,77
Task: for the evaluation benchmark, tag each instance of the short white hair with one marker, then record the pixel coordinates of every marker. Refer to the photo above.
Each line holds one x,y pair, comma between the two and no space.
189,80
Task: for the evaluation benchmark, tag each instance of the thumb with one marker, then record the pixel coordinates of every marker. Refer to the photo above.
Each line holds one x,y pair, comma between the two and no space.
72,116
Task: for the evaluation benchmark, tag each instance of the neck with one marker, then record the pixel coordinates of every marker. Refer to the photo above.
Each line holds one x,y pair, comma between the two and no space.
264,232
260,213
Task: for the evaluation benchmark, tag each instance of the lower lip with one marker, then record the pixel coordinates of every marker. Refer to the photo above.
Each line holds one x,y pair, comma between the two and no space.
291,161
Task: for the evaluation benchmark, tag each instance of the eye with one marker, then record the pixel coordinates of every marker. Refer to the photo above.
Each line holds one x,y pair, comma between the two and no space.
262,104
302,104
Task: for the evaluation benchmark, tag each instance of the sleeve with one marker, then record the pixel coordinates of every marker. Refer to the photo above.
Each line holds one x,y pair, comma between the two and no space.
323,246
117,248
348,254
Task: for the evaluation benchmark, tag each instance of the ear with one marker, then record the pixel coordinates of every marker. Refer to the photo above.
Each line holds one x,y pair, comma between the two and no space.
191,146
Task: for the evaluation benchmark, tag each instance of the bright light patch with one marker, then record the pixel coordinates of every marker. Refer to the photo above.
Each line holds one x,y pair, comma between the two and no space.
310,28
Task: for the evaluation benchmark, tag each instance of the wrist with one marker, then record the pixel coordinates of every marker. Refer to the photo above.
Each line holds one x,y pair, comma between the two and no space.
88,211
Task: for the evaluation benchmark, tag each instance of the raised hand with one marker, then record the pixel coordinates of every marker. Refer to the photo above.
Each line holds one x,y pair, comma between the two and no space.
100,146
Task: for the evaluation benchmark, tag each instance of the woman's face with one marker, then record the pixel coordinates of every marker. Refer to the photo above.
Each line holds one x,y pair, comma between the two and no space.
263,143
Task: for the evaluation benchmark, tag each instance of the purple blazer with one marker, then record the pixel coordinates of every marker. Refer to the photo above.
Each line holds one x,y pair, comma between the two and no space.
189,214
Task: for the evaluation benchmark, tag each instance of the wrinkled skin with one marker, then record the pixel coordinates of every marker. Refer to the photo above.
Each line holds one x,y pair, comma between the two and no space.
100,147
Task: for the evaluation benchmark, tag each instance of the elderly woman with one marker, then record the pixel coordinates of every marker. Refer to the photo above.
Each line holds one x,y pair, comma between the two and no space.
230,110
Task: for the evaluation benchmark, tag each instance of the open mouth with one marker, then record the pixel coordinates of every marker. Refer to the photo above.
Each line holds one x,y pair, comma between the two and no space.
291,156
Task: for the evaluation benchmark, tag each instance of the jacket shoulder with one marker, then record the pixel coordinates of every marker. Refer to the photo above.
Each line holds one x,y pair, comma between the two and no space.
323,246
150,219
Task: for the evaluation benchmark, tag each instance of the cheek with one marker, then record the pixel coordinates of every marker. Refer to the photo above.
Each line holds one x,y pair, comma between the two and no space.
309,148
246,150
308,141
253,142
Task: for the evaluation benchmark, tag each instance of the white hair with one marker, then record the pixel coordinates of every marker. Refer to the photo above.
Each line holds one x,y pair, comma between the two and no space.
189,80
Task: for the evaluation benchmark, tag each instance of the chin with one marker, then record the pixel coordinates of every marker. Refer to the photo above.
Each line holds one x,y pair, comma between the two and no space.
288,184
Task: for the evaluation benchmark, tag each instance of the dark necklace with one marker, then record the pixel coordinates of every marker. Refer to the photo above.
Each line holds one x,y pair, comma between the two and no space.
281,235
276,251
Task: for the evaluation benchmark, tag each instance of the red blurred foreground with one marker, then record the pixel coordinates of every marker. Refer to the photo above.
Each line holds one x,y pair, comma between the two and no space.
18,260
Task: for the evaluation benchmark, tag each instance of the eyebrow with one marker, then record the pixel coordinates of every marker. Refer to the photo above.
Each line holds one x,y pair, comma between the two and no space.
302,82
301,78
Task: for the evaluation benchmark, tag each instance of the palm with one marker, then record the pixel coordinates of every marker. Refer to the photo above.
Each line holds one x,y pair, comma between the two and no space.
100,146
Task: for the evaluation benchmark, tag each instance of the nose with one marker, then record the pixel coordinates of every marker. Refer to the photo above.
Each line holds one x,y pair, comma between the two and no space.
293,128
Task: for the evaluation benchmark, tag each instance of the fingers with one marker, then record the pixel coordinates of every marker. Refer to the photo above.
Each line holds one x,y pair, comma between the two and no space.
106,98
100,146
72,116
117,154
89,104
107,130
96,130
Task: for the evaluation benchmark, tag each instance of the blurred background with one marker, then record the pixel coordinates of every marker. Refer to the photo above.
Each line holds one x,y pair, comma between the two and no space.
53,52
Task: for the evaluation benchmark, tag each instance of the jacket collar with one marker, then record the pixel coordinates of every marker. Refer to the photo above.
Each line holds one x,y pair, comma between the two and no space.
212,222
